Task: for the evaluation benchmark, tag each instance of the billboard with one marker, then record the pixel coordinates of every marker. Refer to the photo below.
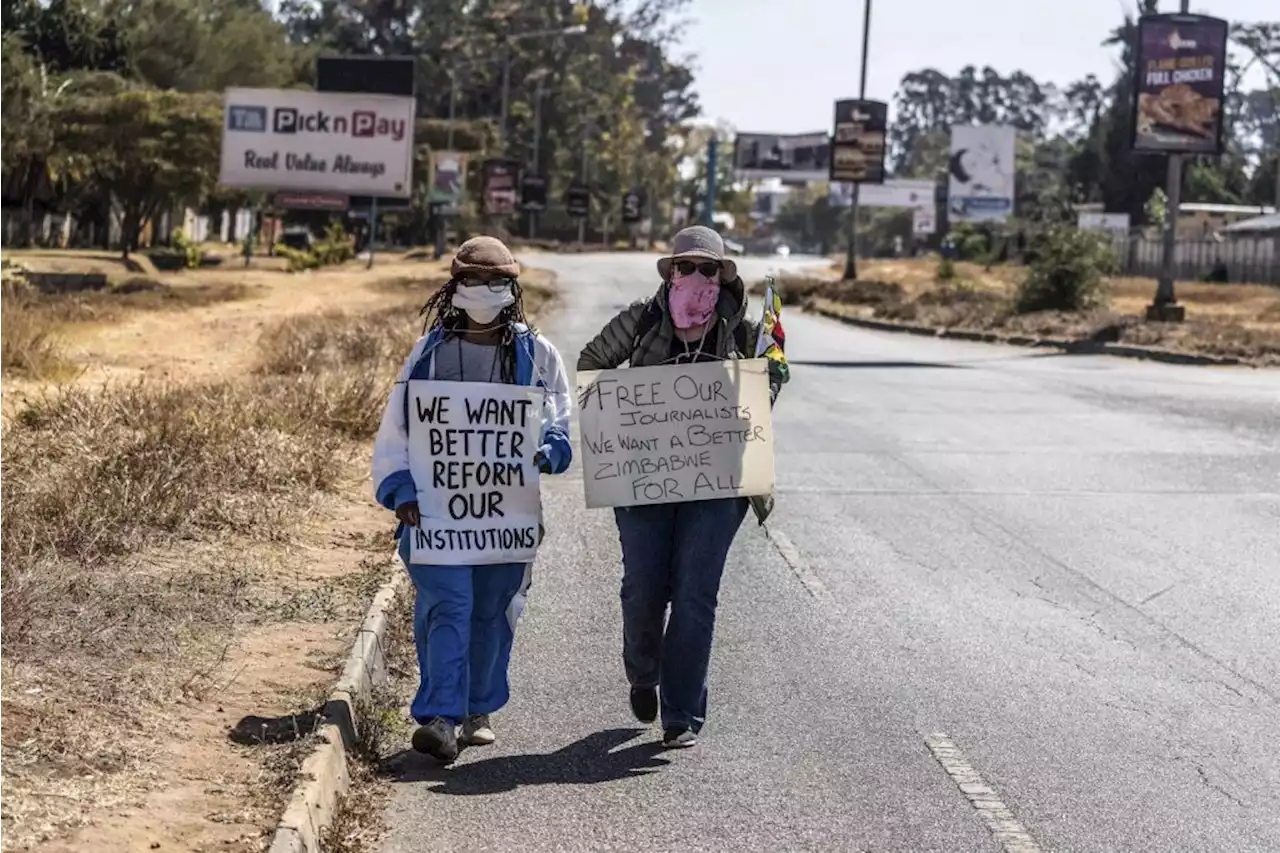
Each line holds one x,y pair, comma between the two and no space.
1181,70
448,178
312,201
577,199
981,168
281,139
795,157
533,193
633,206
858,141
924,221
904,193
501,192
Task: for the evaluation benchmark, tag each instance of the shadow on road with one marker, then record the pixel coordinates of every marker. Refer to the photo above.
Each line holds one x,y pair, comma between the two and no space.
872,364
589,761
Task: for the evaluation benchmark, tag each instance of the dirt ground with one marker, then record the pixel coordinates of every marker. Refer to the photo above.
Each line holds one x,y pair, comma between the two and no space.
189,788
1236,320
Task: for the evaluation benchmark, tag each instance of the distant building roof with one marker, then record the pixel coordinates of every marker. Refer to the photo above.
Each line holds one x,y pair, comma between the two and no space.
1269,224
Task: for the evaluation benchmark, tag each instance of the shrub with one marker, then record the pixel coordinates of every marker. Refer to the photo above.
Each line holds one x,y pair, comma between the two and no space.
189,251
299,259
336,247
1069,273
946,269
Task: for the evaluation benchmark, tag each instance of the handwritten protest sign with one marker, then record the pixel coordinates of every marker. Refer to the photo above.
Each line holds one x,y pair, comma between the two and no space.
688,432
471,448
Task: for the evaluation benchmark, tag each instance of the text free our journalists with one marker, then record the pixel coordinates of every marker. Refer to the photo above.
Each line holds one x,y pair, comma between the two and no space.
343,164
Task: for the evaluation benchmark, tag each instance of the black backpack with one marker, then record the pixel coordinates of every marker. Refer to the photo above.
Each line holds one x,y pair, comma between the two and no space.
652,316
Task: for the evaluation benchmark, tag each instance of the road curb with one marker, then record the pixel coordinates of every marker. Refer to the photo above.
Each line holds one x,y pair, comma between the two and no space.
323,778
1069,345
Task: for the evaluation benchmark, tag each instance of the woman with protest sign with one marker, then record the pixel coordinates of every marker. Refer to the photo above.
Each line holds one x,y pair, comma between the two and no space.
465,613
674,553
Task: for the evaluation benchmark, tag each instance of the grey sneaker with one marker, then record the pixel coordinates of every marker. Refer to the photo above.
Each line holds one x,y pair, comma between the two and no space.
678,737
438,739
476,731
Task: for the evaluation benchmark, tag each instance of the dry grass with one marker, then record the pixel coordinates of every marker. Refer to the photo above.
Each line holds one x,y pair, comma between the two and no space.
1232,320
34,322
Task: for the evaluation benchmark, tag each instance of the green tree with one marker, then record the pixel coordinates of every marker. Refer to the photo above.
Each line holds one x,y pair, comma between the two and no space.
148,150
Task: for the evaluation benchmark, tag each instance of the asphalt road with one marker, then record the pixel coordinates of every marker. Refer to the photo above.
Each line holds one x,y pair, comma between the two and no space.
1067,565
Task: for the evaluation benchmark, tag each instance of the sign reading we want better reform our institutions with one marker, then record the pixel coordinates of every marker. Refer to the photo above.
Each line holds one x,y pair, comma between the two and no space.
471,449
654,435
281,139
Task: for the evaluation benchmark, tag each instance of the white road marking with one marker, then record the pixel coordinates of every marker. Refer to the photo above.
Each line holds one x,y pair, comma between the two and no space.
1006,829
791,556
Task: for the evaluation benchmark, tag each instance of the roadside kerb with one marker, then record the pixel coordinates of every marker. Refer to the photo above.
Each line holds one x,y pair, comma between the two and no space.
323,778
1065,344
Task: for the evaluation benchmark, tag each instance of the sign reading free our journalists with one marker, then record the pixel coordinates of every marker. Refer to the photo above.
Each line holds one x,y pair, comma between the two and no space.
653,435
338,142
471,449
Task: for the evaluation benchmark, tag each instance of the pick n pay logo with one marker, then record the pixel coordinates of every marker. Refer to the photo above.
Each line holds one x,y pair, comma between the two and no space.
251,119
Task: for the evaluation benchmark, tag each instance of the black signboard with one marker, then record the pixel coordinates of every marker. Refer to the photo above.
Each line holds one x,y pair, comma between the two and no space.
577,200
1178,97
501,187
633,206
533,193
858,142
374,75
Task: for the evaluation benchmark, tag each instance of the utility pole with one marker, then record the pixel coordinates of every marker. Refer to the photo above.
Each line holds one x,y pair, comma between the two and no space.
582,178
537,138
709,206
1165,306
441,228
851,251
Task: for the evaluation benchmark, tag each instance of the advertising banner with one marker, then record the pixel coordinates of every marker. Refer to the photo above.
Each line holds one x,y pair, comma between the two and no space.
533,193
577,199
352,144
471,448
982,173
1087,221
501,192
448,178
905,193
1181,71
924,221
690,432
633,207
795,157
858,142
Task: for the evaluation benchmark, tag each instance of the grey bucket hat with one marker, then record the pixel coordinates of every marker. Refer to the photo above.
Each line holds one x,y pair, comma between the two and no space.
698,243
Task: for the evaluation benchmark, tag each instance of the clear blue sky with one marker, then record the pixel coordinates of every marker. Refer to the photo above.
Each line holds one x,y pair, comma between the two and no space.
778,65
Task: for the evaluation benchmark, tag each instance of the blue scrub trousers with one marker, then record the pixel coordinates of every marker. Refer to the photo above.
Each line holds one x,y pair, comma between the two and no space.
463,633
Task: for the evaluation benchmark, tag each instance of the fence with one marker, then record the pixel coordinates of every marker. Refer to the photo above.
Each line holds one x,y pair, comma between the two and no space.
1255,260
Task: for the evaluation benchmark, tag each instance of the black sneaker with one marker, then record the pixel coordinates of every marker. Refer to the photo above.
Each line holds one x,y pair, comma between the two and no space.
437,738
644,703
678,737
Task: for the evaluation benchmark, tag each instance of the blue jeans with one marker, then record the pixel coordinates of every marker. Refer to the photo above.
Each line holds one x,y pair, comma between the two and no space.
674,554
463,631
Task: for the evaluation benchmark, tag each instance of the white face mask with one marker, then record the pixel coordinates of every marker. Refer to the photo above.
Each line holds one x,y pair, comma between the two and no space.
482,304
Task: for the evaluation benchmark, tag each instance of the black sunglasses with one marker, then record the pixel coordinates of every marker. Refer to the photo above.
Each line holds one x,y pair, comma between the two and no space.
494,284
708,268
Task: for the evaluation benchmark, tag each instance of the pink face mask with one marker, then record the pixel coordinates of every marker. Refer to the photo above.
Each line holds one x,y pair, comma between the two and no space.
692,299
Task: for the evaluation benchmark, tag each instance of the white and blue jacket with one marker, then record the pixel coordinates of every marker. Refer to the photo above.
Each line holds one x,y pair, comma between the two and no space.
538,364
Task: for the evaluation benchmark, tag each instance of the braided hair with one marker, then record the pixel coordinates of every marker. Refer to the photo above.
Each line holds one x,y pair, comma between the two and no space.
439,311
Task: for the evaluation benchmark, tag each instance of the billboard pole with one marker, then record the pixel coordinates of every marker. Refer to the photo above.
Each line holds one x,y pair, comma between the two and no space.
851,251
1165,307
709,208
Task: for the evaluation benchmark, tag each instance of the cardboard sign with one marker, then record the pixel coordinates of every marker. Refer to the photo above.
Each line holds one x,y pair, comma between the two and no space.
692,432
471,448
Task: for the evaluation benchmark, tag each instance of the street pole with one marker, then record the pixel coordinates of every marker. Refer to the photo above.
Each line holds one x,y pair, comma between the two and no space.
506,89
582,177
537,138
1165,306
709,206
851,251
373,227
453,110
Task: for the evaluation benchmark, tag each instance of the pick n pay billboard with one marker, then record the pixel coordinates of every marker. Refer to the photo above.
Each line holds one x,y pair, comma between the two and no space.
281,139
